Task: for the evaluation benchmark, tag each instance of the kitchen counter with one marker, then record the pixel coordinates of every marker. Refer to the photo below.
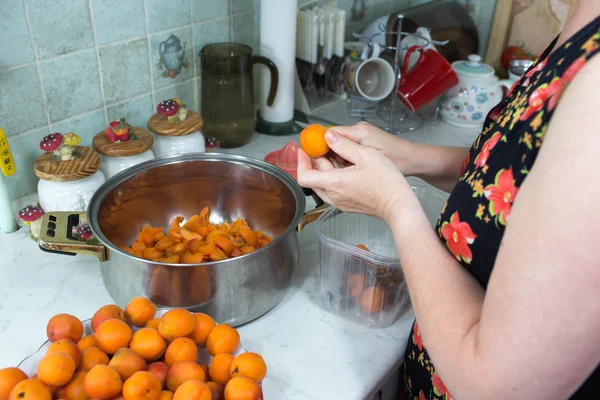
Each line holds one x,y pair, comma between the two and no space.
311,354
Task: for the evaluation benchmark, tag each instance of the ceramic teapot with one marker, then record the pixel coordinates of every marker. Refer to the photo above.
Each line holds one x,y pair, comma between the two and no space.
478,91
172,53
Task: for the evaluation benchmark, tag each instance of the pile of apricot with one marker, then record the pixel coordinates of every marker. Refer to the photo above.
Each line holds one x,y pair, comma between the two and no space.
134,355
197,240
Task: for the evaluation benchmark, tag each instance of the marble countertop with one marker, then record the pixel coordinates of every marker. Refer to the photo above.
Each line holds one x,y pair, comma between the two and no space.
311,354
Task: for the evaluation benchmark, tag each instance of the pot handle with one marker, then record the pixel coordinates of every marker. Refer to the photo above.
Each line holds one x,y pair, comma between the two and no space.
56,236
312,215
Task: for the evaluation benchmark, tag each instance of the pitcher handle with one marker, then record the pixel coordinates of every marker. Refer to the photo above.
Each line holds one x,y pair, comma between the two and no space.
274,76
407,60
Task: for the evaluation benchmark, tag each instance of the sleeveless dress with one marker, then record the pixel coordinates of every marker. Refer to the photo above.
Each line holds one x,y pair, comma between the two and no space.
472,222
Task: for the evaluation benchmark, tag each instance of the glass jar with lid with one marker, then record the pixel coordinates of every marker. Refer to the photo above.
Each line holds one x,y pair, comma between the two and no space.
122,146
69,174
176,129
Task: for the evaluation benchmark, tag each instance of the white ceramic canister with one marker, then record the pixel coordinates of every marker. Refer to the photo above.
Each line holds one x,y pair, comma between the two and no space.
479,90
174,138
120,155
68,185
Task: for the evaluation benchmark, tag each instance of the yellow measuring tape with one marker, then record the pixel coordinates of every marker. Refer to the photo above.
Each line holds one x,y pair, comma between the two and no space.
7,163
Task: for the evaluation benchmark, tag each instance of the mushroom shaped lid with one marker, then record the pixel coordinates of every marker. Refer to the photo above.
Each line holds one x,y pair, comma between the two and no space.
167,107
84,232
31,213
71,139
51,142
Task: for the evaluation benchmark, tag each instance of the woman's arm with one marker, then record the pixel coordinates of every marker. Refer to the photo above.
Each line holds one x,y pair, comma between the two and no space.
438,165
535,332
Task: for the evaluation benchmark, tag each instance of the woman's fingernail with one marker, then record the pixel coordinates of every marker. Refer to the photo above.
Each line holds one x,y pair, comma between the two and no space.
330,137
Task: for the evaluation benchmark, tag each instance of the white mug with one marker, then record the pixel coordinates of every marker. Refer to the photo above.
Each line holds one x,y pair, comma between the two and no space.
372,77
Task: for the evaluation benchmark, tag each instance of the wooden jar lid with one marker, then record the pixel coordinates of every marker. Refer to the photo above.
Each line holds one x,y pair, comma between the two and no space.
143,142
160,125
79,167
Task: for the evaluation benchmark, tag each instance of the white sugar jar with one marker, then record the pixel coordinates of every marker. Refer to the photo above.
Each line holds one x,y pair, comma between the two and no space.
177,137
120,155
68,185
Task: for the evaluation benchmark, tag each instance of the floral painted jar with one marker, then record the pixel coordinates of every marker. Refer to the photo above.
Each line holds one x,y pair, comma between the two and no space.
69,174
122,146
176,129
478,91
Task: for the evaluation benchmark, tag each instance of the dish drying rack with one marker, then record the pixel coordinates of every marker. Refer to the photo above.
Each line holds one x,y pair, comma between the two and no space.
389,114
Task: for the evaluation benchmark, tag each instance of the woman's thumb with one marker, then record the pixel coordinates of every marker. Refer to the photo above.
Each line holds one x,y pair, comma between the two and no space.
345,148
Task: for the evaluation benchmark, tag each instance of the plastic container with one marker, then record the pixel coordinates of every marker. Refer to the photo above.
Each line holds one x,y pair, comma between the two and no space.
366,286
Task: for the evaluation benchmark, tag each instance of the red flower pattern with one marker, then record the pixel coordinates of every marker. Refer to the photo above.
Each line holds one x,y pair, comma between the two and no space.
417,338
439,388
465,163
484,154
501,195
459,236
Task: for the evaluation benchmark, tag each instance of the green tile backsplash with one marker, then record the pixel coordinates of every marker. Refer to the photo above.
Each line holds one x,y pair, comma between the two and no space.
75,65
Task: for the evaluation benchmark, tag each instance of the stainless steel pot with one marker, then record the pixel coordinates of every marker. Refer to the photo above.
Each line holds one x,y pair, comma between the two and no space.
153,193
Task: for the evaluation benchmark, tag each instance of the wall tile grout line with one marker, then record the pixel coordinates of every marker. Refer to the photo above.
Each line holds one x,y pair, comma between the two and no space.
149,53
99,66
25,133
37,64
196,95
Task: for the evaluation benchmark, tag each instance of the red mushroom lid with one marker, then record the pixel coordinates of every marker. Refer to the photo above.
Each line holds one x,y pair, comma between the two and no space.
167,107
31,213
51,142
84,232
211,142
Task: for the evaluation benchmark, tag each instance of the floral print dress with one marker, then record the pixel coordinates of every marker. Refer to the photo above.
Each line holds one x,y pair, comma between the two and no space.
472,222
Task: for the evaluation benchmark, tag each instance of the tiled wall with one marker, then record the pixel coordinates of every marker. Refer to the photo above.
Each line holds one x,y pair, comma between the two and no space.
75,65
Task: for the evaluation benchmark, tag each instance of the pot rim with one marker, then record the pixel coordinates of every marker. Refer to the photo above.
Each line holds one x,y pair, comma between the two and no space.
124,176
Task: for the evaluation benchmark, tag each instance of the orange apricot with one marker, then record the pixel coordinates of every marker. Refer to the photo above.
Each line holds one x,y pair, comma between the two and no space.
217,391
9,377
140,310
184,371
87,341
127,362
204,324
160,370
64,326
56,369
250,365
68,347
312,141
30,389
153,323
102,382
91,357
242,388
181,349
192,390
112,335
148,343
107,312
142,385
167,395
74,390
175,323
373,299
220,368
222,339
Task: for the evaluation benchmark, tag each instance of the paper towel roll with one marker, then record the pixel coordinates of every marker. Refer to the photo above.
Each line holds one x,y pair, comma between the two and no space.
278,42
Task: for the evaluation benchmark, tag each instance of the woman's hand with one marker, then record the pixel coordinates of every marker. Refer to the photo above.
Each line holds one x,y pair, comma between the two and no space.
371,185
396,149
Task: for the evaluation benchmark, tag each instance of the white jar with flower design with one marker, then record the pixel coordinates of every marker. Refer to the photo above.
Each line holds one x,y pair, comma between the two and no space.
176,129
479,90
69,174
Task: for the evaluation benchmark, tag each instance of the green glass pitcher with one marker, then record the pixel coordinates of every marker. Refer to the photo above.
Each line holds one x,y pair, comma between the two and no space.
228,107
